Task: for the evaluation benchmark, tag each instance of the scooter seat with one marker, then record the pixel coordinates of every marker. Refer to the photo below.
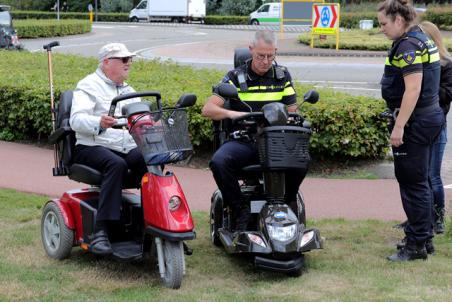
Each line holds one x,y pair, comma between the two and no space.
252,168
90,176
85,174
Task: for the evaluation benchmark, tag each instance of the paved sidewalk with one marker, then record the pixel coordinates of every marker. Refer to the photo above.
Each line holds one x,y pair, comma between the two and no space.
28,168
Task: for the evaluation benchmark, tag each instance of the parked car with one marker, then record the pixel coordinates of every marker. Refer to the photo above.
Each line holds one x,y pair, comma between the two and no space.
8,35
268,13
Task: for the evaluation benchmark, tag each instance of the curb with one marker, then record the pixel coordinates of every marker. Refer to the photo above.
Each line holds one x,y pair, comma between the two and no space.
332,54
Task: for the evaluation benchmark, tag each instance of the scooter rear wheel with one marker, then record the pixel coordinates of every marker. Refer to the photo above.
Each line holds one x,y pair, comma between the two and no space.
216,217
173,254
57,238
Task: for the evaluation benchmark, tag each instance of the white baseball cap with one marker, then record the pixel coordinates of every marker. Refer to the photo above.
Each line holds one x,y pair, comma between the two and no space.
114,50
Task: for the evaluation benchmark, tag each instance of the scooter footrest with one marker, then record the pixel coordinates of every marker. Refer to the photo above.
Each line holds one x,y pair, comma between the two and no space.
127,251
286,266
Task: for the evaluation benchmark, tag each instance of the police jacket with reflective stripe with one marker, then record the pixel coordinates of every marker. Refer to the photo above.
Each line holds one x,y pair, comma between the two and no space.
270,87
413,52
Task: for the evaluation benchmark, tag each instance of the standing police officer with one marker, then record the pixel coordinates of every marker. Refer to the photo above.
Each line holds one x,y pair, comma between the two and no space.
410,86
259,82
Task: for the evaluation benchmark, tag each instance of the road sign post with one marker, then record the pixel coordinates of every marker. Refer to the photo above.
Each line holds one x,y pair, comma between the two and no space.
325,21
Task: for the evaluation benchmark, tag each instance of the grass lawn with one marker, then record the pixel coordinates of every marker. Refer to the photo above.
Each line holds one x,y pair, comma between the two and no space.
352,267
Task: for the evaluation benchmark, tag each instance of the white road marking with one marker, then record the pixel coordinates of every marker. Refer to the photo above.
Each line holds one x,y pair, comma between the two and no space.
345,88
448,186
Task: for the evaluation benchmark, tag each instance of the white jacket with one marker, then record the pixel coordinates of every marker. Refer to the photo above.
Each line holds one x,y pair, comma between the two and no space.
92,99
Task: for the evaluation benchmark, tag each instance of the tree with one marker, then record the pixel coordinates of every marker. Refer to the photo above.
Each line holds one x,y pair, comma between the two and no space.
237,7
116,6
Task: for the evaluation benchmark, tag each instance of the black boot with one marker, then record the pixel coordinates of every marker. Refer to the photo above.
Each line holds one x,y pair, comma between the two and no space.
438,225
242,217
408,253
429,247
100,245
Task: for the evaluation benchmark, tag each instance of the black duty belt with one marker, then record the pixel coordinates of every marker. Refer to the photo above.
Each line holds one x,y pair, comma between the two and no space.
418,111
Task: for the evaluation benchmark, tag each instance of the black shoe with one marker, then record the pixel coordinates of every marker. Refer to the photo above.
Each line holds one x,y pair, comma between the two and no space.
188,251
401,225
242,219
100,245
408,253
438,225
429,247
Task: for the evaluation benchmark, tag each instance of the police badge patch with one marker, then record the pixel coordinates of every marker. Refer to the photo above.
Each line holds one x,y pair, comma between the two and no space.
409,57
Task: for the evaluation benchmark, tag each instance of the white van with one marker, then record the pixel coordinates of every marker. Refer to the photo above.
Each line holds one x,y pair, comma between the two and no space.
268,13
165,10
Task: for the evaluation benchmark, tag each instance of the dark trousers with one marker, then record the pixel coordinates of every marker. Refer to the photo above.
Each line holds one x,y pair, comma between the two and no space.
234,155
113,166
412,164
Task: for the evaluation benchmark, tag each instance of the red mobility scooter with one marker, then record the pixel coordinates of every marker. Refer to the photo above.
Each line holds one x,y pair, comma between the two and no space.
158,220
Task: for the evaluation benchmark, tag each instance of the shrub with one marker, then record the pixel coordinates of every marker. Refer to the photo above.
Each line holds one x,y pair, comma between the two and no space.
107,17
50,28
220,20
348,125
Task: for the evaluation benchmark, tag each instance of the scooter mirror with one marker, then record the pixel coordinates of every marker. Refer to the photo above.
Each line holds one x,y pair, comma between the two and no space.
227,91
311,96
186,100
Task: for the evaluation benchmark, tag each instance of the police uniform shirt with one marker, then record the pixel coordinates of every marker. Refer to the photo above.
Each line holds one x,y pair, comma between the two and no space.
261,89
411,55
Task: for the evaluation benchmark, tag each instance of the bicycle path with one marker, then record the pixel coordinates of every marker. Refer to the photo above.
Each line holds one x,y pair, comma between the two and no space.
28,168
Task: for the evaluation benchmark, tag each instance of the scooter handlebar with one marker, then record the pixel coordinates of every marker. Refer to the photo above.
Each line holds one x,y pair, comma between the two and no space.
49,46
133,95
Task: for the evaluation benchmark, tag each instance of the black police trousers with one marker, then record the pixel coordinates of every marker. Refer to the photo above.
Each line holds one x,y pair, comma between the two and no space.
228,161
114,168
411,165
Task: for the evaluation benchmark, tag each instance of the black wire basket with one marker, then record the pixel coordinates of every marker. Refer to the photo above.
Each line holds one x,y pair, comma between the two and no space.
284,147
163,136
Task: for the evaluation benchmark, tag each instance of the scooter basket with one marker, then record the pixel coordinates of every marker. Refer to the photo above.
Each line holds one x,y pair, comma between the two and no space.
165,139
284,147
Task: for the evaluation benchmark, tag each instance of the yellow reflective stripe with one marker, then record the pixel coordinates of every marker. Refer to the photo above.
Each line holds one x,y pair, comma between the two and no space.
289,91
434,57
258,97
287,84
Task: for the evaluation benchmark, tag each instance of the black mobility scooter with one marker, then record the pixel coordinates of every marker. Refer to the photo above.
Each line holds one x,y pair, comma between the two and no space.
277,236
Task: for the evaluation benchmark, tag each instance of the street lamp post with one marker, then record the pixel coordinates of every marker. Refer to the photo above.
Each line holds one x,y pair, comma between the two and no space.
58,9
95,9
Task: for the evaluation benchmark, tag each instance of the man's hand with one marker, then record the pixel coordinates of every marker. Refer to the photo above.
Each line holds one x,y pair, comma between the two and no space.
107,121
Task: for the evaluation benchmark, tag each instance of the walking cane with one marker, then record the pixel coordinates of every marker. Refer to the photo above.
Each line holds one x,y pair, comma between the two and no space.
48,48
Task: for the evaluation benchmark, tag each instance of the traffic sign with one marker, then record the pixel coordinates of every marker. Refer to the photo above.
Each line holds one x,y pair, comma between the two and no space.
325,19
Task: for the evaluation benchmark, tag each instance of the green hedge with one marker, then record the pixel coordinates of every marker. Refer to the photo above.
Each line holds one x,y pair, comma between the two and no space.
441,16
107,17
347,125
50,28
219,20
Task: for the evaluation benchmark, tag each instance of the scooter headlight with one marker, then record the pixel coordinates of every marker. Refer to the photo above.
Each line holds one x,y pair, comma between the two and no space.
307,237
174,203
282,233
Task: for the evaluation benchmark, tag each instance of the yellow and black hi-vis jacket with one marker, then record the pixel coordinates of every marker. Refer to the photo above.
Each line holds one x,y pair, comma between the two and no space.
274,86
413,52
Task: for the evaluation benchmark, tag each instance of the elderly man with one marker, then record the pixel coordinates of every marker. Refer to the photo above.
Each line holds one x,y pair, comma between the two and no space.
259,81
110,151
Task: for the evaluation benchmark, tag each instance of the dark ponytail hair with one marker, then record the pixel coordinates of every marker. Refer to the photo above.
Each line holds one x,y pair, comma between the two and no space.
392,8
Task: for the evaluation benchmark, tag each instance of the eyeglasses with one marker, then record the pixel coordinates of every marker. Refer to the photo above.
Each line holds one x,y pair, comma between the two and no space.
261,57
124,60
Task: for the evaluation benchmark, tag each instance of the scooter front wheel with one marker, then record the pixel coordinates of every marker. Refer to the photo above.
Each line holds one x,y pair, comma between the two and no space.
57,238
173,254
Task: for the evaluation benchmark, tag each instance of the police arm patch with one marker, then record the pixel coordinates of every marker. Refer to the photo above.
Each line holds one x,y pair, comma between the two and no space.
409,56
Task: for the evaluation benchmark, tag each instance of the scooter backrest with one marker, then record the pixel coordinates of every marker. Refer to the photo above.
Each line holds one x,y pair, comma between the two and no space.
241,55
62,120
